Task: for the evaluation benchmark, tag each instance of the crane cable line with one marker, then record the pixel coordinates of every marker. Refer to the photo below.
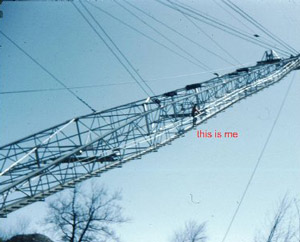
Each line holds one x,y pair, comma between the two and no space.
207,35
118,84
233,28
222,26
229,27
110,48
258,160
202,65
177,32
233,16
209,17
143,34
61,89
241,22
47,71
117,48
250,19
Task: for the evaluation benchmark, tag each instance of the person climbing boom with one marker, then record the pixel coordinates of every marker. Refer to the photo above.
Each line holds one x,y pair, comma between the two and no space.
195,112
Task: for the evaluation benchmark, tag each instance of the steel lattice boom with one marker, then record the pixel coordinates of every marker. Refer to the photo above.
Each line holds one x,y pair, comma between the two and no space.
41,164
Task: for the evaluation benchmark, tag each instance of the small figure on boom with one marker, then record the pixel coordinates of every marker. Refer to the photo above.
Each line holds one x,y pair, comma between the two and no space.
195,112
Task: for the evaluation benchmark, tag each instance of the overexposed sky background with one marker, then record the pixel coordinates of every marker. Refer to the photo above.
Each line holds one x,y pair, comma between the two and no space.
157,188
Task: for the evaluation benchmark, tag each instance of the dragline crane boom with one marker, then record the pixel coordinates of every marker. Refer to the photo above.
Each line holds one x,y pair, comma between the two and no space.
56,158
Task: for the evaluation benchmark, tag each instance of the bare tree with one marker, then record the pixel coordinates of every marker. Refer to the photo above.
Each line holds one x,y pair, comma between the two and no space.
192,232
296,203
86,216
282,225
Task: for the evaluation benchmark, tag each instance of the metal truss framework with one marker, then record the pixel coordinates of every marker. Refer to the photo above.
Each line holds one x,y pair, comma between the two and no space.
49,161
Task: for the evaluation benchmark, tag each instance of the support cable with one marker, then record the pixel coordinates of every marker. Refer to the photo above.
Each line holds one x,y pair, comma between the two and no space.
117,48
224,27
120,83
258,161
202,65
241,22
250,19
234,29
233,16
177,32
110,48
47,71
207,35
143,34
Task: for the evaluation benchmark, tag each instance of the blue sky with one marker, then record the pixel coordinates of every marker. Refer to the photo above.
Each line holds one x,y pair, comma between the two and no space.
157,188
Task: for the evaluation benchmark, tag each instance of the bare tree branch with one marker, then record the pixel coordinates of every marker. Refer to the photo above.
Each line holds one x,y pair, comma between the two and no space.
86,216
296,202
192,232
282,226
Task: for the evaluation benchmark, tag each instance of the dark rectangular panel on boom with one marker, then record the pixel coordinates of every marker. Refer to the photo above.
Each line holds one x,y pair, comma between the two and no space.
170,94
78,159
193,86
233,74
244,69
268,61
110,158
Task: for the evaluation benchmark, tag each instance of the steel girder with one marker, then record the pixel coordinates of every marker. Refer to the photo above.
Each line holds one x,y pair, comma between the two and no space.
56,158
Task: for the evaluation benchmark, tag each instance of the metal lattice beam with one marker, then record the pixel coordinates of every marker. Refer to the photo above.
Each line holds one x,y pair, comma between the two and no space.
41,164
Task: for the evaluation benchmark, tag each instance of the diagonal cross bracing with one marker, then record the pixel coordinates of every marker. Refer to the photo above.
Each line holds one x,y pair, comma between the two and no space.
41,164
